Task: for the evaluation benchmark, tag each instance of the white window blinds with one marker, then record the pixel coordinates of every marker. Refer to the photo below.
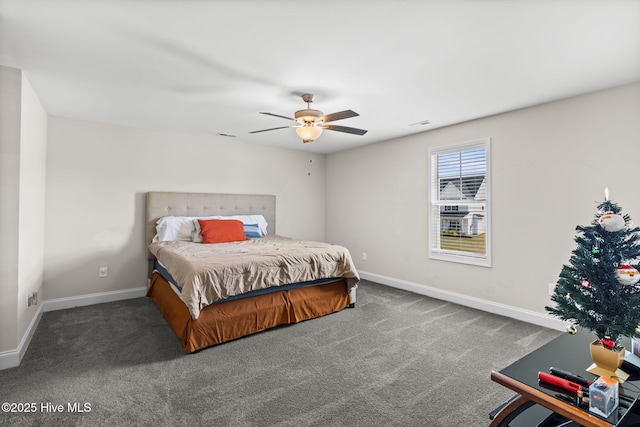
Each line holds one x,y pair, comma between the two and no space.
459,214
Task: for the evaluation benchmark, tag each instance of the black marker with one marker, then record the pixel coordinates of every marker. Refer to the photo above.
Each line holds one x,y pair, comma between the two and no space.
569,376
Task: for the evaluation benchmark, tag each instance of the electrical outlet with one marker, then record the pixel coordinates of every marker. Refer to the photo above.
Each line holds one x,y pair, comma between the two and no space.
102,272
32,299
364,256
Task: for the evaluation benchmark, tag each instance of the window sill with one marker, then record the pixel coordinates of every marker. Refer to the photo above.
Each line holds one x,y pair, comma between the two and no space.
461,259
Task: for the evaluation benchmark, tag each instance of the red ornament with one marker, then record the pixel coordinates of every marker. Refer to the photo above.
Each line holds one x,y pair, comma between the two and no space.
585,283
608,343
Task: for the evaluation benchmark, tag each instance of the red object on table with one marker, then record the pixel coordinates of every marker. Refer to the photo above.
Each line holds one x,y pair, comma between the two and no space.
560,382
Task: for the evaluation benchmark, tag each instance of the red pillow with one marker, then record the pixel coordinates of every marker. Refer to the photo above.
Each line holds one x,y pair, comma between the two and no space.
221,230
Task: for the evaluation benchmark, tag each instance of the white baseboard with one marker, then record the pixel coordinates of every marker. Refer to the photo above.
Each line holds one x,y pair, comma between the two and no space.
528,316
12,358
90,299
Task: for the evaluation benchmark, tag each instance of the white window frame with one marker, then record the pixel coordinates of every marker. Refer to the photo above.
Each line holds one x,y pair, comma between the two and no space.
435,252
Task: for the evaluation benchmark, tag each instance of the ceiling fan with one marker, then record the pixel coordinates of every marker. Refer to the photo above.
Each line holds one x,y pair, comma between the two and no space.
310,123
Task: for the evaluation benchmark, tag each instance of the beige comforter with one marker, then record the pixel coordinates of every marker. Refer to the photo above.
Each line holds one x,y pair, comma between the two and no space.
211,272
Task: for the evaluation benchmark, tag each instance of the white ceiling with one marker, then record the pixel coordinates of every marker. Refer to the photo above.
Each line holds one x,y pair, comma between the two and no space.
209,66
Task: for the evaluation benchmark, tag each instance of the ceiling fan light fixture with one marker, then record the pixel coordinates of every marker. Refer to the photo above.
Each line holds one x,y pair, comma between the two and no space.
309,132
309,123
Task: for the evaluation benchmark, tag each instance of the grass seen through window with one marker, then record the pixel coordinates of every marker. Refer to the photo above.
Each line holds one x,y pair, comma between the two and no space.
455,241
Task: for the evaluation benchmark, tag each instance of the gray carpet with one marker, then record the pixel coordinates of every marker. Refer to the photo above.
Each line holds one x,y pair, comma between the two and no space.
396,359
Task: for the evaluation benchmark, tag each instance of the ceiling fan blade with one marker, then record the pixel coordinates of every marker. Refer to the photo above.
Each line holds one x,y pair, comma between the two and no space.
345,129
278,115
339,116
264,130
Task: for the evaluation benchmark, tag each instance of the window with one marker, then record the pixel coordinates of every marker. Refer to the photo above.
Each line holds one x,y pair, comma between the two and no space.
459,214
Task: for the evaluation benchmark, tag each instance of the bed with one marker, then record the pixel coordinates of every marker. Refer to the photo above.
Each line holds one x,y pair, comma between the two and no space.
213,293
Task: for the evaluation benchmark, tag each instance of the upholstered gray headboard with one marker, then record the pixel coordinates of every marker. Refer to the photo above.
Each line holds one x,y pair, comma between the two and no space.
161,204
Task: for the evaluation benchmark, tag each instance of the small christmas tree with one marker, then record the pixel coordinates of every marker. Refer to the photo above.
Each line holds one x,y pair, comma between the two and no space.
598,291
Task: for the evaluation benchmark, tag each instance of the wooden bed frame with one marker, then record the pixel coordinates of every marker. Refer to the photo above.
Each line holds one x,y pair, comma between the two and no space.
229,320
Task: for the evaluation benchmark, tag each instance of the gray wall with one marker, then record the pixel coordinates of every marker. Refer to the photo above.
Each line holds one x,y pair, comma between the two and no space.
98,175
550,165
23,124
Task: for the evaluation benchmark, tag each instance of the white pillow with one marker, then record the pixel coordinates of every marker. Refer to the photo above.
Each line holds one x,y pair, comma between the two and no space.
246,219
174,228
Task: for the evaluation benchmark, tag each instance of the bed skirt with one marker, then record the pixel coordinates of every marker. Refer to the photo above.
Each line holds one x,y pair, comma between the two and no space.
229,320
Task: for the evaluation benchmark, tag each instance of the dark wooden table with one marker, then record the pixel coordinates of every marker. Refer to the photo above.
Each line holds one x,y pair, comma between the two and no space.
570,353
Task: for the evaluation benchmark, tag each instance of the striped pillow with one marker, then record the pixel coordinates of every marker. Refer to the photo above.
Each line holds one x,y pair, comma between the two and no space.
252,231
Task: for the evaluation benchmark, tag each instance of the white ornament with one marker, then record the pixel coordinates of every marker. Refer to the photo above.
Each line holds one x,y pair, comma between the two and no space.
611,222
627,275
